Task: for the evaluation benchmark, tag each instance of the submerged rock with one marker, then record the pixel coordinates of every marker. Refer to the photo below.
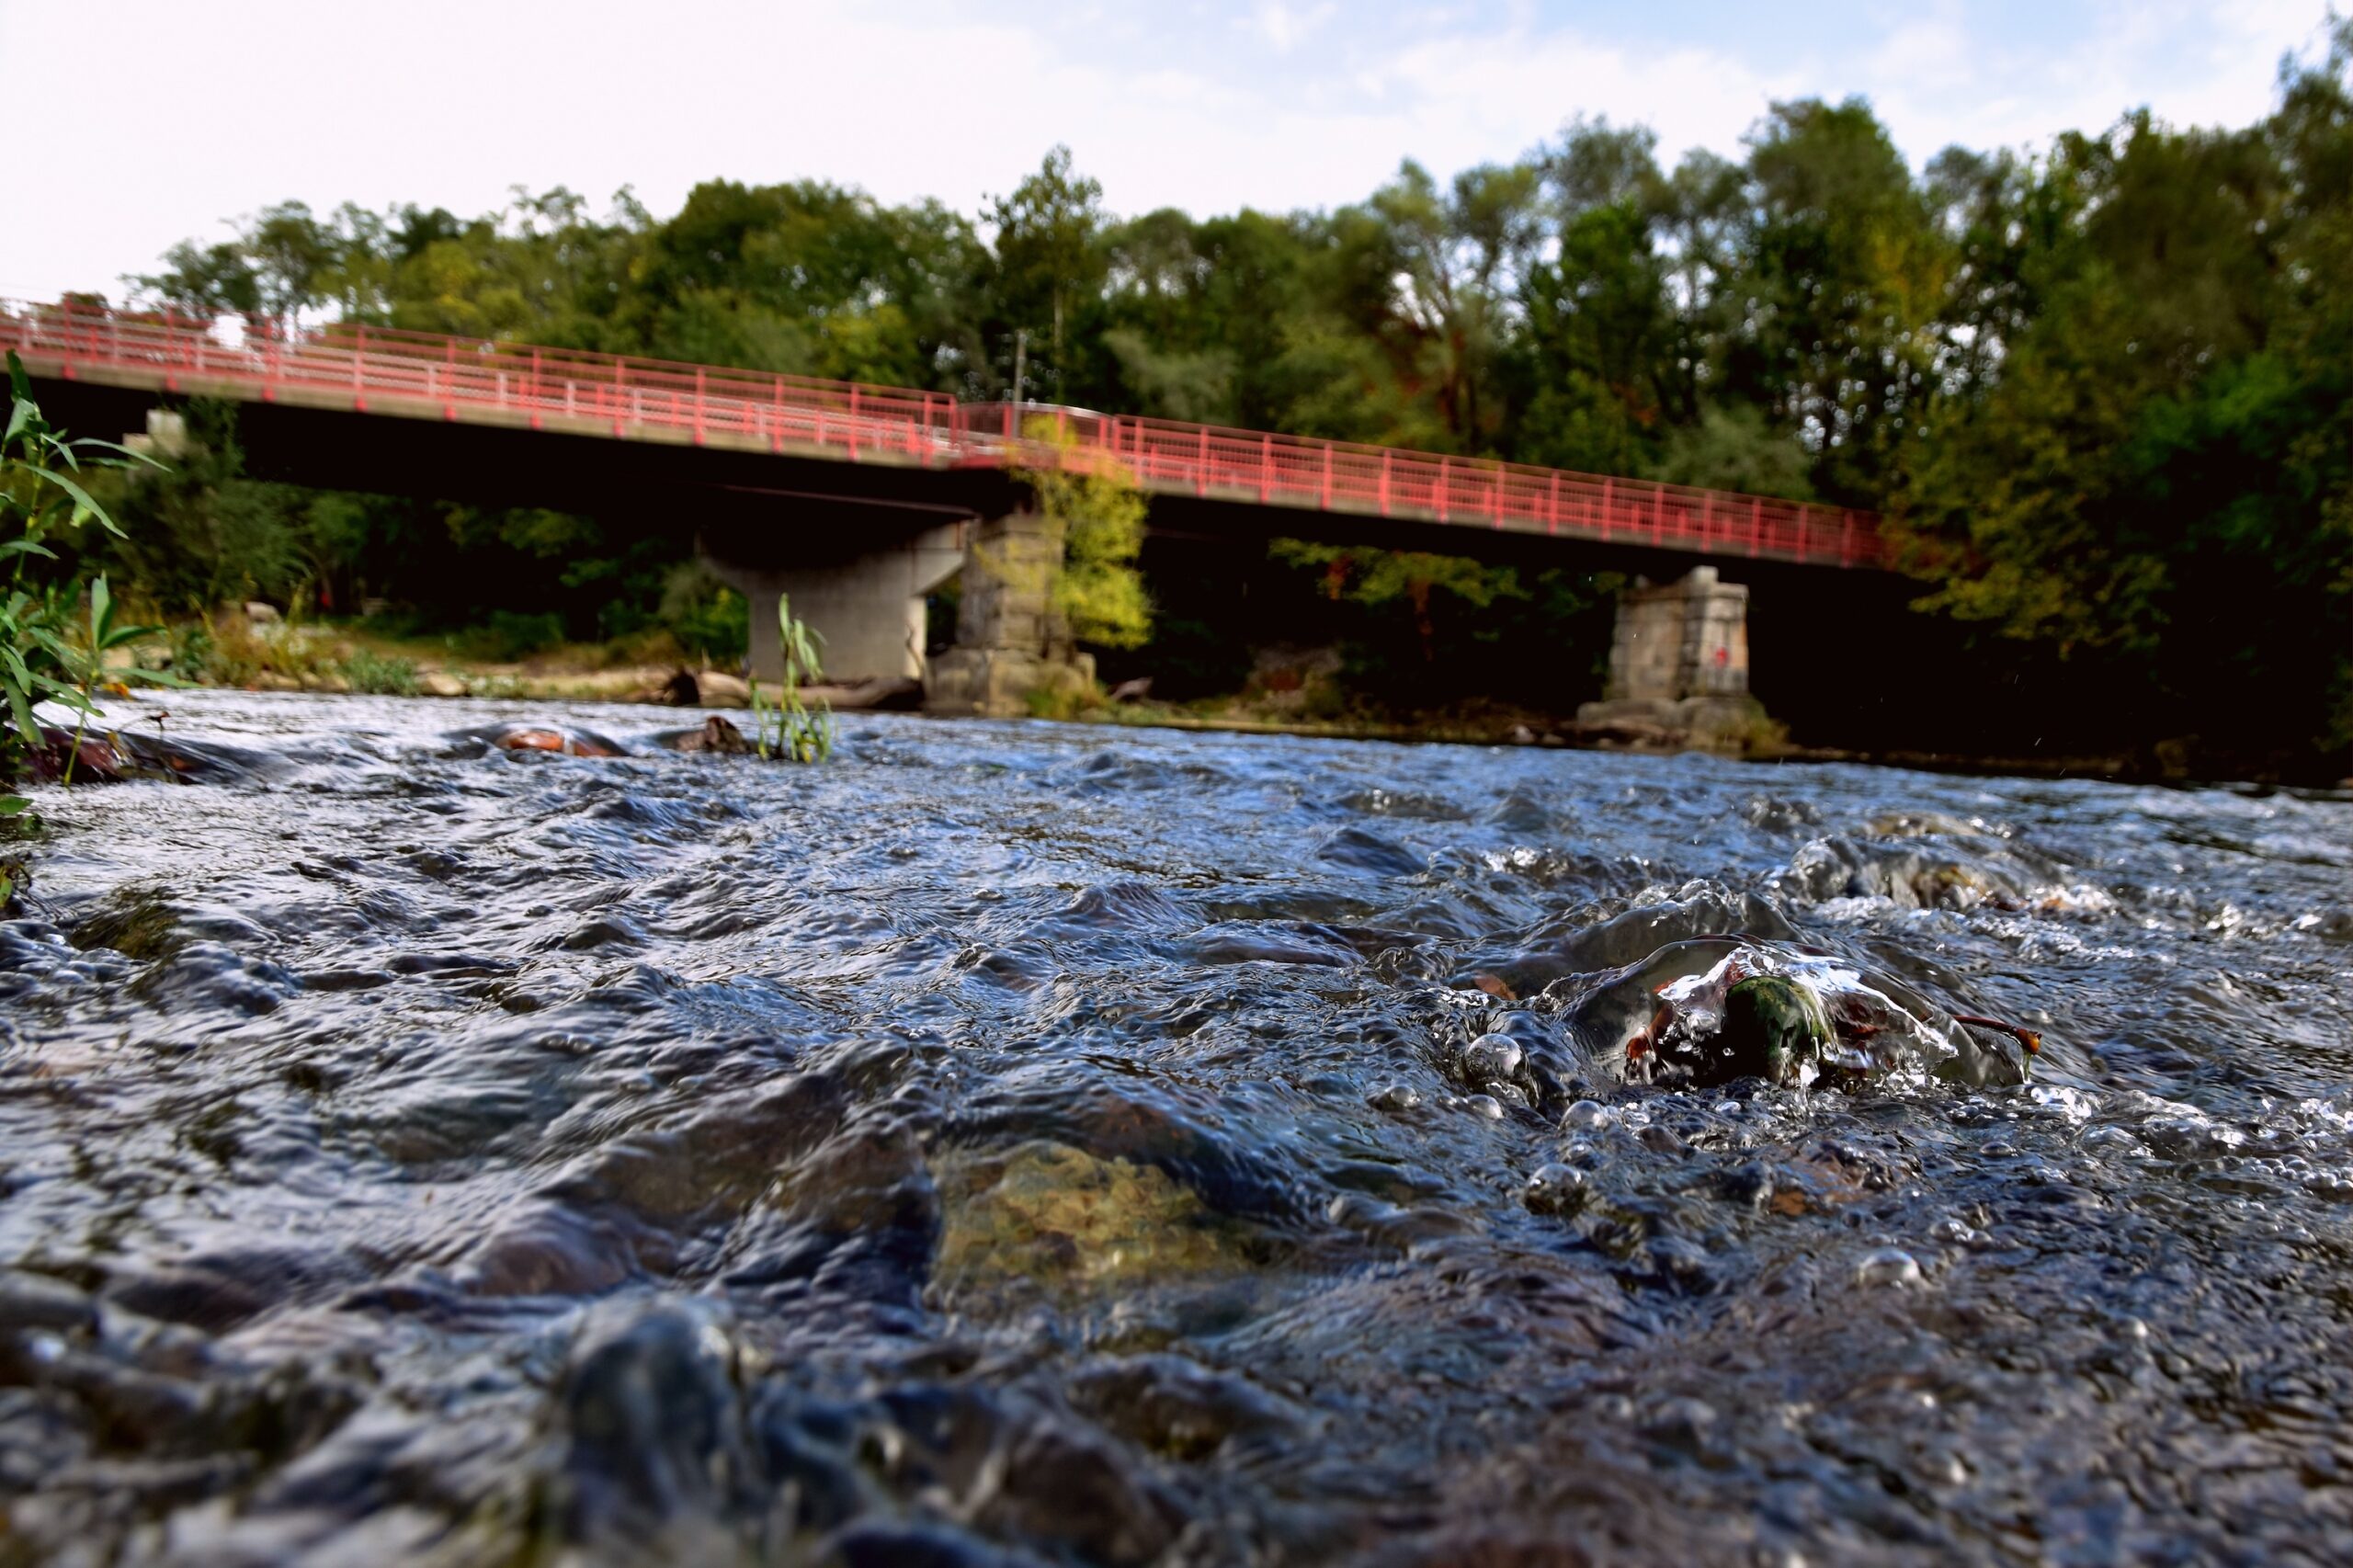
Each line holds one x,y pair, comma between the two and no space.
654,1442
546,737
715,736
1046,1216
1716,1009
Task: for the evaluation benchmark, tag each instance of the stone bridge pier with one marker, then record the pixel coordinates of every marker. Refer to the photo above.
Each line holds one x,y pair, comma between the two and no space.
1679,663
862,595
1012,647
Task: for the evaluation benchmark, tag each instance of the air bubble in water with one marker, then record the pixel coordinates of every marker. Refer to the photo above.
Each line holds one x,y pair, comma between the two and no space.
1490,1057
1888,1265
1555,1190
1954,1232
2111,1141
1585,1116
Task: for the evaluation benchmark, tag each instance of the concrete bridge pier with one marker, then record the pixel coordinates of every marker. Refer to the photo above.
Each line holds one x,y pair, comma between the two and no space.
1012,647
1679,663
867,607
1687,638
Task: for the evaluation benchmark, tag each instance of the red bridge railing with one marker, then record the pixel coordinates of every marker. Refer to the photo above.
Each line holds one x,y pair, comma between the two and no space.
424,374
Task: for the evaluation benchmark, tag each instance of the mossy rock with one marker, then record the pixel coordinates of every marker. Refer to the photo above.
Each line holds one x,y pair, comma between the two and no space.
1773,1028
1045,1217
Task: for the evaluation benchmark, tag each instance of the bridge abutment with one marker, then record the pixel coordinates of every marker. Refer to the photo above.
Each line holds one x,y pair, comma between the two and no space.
867,608
1011,643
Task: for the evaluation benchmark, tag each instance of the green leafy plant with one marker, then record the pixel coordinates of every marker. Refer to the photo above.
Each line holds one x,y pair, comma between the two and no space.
16,817
49,653
710,620
1095,504
379,675
81,660
790,729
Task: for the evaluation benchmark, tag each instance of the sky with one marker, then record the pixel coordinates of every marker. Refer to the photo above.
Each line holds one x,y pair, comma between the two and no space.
136,124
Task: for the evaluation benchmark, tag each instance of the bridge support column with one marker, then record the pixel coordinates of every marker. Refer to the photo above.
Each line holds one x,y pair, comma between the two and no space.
1687,638
1679,664
868,608
1012,645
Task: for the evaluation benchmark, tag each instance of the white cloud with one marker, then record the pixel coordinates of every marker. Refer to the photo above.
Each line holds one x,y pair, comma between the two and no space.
1285,28
209,109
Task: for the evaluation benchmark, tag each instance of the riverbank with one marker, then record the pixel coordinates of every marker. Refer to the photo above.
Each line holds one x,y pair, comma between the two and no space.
359,659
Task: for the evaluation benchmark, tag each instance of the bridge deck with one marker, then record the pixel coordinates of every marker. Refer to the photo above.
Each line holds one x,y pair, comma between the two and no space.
417,375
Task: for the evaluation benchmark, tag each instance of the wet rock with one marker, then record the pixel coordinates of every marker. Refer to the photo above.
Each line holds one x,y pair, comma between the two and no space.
1175,1406
1774,1027
716,735
1046,1217
876,1543
548,738
711,1162
1181,1134
1385,802
1636,934
87,757
1362,851
1063,1485
37,1301
158,756
1904,874
1662,1021
1777,816
653,1426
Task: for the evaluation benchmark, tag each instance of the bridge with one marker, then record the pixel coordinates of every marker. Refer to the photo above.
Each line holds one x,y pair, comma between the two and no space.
857,499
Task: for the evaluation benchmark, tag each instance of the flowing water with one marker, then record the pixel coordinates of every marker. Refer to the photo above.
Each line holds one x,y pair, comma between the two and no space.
1021,1144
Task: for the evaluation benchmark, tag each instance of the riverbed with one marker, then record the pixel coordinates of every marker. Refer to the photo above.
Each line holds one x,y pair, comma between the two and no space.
1016,1142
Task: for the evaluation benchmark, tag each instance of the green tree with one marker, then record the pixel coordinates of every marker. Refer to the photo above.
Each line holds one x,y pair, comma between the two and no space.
1094,504
1048,264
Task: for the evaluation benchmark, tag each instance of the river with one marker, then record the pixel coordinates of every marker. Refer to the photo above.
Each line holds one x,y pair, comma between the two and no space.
1015,1142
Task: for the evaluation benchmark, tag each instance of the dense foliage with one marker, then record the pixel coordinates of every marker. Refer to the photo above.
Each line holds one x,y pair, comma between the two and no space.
1099,512
2105,388
56,629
